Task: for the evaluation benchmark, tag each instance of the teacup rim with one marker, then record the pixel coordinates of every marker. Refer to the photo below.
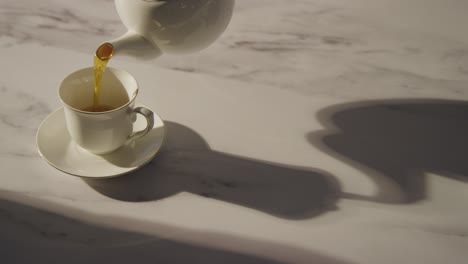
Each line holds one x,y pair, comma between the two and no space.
130,101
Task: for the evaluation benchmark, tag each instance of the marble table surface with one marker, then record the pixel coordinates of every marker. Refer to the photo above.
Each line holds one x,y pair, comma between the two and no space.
313,131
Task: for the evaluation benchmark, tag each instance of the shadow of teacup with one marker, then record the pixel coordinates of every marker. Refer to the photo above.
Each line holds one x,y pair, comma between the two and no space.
187,164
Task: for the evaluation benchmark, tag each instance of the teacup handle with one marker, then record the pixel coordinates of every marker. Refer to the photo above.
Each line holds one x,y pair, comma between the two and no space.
148,114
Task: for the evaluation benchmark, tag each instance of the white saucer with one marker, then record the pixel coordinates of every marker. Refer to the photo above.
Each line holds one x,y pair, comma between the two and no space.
58,149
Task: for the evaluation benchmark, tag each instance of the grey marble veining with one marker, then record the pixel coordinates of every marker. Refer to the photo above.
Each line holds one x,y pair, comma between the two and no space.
20,115
313,131
294,45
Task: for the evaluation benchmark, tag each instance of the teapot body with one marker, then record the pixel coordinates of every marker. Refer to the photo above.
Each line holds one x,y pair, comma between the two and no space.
175,26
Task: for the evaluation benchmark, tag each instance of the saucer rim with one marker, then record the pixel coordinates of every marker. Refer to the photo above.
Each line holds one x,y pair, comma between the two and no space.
104,176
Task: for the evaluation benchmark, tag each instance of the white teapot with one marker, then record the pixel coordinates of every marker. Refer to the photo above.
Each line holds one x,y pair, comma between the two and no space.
170,26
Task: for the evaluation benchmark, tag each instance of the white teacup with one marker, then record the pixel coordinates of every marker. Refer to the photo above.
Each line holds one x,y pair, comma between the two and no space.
102,132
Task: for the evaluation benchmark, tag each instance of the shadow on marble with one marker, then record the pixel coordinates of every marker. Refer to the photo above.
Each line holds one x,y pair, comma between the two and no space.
395,142
186,164
32,235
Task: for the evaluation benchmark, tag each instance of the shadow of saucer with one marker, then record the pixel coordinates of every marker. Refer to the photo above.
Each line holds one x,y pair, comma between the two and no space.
187,164
396,141
141,150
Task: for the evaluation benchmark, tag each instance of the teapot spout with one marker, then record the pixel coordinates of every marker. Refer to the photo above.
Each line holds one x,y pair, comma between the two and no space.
134,45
